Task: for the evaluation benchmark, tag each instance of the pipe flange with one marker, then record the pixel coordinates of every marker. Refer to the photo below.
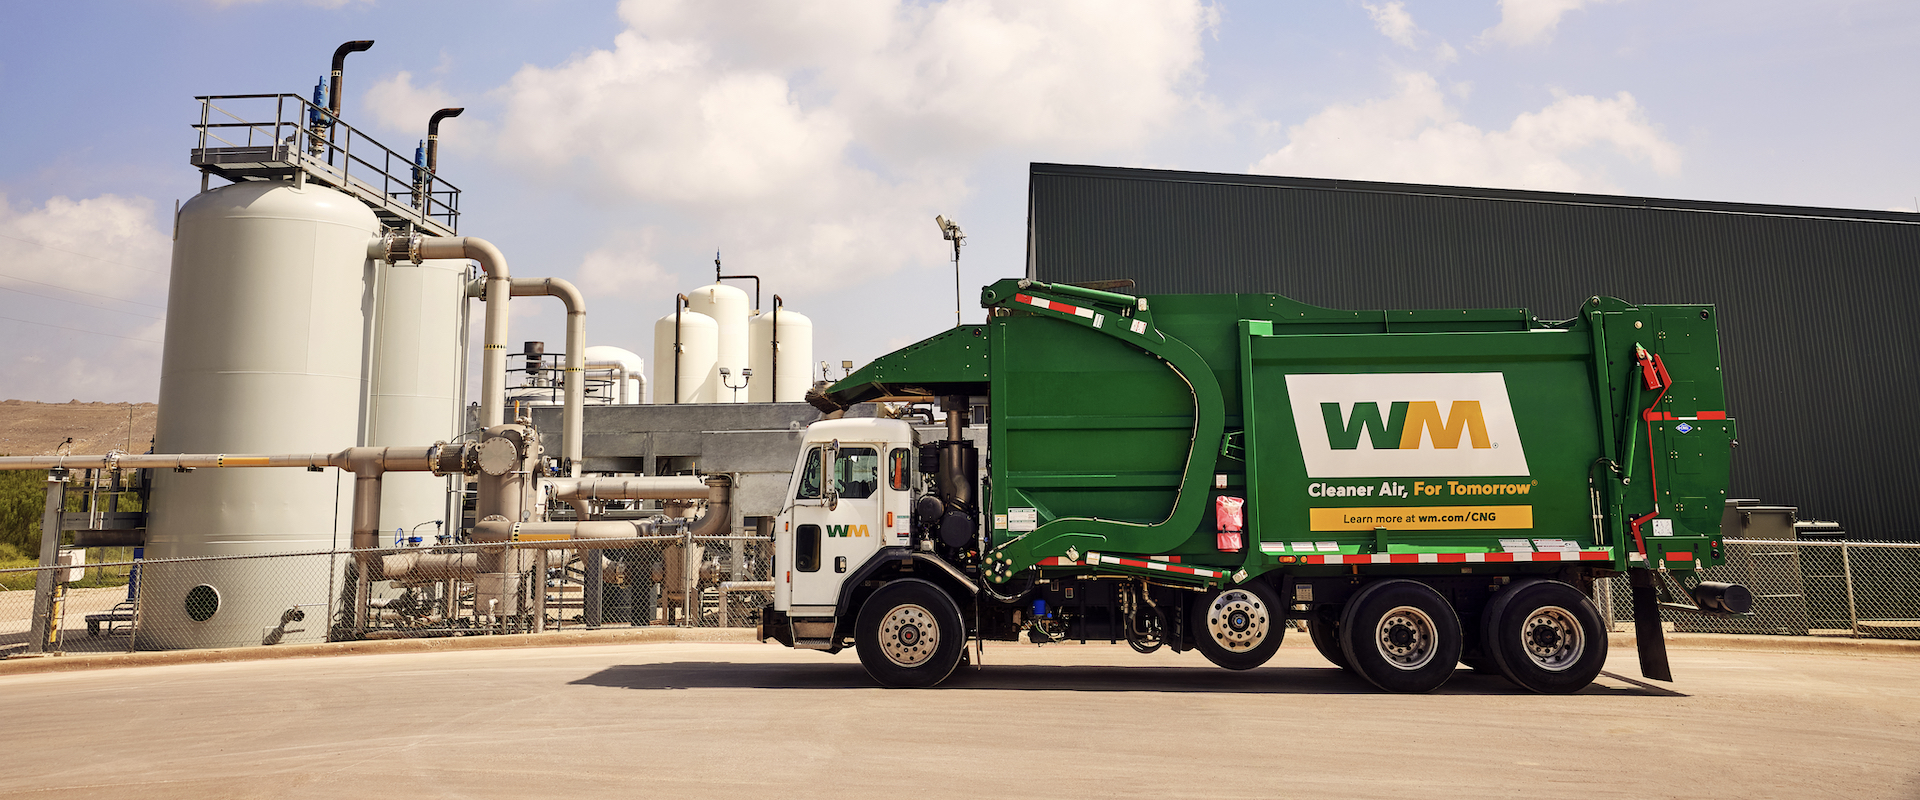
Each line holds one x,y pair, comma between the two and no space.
497,456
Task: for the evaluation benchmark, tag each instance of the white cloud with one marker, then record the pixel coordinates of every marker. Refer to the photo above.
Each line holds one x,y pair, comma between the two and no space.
86,281
401,106
1393,21
813,141
1525,22
1415,136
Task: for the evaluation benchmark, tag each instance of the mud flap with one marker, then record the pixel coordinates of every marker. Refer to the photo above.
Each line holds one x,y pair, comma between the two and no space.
1647,632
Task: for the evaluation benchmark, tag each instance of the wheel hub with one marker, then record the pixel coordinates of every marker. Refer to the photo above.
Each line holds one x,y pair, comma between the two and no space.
1237,619
1552,637
1405,637
908,635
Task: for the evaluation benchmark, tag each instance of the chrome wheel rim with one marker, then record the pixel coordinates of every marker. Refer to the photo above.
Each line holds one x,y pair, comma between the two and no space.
909,635
1405,638
1237,619
1552,637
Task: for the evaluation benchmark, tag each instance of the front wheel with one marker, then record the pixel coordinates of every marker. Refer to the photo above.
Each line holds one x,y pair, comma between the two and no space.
909,635
1545,636
1401,635
1239,627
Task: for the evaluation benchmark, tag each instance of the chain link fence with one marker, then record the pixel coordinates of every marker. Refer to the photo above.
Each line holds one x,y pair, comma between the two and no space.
388,593
1802,588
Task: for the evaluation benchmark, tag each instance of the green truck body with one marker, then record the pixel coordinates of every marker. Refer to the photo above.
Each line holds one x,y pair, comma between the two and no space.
1207,442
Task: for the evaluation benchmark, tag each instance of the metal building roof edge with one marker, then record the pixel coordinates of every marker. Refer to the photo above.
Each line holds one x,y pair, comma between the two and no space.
1038,169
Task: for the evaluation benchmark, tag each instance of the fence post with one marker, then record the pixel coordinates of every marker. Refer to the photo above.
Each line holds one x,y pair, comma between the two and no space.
45,627
689,577
1846,569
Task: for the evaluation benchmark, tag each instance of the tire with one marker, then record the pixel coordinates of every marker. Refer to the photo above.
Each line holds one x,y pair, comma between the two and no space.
1545,636
908,635
1326,639
1239,627
1479,664
1402,636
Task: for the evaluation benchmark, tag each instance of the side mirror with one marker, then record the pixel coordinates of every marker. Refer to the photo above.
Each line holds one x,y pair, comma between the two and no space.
830,475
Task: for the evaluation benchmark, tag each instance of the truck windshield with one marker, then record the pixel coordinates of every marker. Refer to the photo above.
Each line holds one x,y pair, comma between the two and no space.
857,472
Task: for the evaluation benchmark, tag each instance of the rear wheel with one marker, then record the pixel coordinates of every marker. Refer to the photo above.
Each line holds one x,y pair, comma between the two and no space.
909,635
1239,627
1401,636
1326,639
1545,636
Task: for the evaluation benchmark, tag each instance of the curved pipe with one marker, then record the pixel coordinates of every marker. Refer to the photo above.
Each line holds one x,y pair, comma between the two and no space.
340,61
433,137
571,437
499,289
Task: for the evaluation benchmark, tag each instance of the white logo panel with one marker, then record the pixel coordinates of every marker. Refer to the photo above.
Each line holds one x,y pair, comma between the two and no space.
1439,406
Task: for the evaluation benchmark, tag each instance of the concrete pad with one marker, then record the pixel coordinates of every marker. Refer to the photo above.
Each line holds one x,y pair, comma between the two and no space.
759,720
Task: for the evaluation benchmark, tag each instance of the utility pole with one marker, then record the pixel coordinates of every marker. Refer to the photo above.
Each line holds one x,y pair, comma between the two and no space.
950,231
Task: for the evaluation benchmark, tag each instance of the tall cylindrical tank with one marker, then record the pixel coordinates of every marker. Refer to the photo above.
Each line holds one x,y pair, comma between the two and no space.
629,385
265,330
729,309
782,356
419,383
699,357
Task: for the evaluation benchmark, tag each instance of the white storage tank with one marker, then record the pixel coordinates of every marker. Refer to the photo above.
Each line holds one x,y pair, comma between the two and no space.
419,384
780,350
625,368
265,329
729,309
699,338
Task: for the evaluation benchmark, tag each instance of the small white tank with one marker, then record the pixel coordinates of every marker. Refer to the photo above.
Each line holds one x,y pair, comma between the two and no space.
699,354
729,308
628,386
780,375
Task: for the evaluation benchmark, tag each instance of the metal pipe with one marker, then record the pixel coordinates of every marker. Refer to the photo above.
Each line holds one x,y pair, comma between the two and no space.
728,587
339,61
571,437
441,459
682,487
45,628
774,356
499,289
679,303
433,137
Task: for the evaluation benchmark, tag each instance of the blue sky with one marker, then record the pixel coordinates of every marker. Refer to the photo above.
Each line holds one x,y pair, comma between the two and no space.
619,144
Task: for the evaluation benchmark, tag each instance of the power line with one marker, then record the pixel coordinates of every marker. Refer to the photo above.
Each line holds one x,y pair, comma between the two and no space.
80,254
78,291
80,304
83,330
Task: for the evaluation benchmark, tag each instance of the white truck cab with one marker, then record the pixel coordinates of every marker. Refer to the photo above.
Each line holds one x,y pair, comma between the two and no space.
852,494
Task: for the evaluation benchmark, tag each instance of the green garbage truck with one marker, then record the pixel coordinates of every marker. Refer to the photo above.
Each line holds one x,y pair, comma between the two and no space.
1419,490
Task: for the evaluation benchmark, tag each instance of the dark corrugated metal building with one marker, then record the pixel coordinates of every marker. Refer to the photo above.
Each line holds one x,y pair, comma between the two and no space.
1819,348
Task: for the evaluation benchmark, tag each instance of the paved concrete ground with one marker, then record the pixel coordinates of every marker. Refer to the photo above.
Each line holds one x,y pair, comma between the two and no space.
1064,721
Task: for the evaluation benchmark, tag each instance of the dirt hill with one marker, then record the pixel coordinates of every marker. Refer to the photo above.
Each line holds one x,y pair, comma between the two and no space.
32,429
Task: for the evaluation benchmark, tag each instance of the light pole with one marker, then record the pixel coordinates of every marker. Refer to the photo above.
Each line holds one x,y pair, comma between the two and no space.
746,377
950,231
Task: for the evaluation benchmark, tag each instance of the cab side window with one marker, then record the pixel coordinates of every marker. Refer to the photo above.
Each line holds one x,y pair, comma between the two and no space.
857,472
899,469
809,477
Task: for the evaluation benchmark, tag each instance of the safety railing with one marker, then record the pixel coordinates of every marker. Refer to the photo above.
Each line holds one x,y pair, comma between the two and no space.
1801,588
246,136
421,591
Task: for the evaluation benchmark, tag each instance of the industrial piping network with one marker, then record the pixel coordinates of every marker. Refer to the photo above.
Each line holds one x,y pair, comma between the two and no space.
503,459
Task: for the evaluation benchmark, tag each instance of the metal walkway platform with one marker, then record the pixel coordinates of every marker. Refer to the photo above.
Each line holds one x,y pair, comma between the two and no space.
289,139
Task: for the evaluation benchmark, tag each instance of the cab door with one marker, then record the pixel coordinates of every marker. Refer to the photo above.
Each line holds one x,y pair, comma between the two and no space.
837,520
